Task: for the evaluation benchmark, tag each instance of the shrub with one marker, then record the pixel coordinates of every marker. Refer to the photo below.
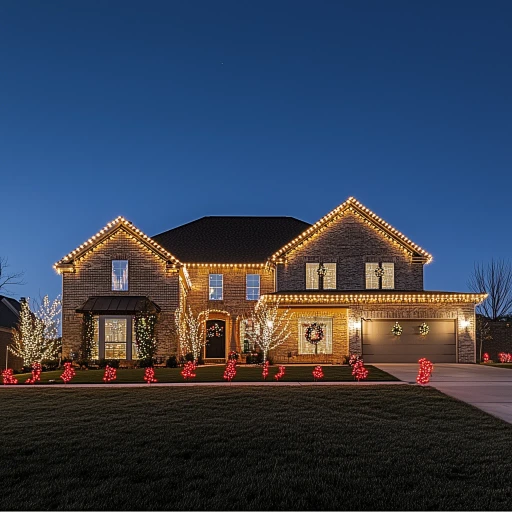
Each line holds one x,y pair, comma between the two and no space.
83,364
49,364
145,363
113,363
190,357
172,362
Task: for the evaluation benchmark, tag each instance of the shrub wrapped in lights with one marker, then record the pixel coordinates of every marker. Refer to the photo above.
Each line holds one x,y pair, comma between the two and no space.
8,377
318,373
425,371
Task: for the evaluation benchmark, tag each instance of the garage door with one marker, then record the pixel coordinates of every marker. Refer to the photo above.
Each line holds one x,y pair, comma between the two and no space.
381,346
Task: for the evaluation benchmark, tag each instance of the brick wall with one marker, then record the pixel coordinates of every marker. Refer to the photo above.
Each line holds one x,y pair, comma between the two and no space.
350,243
340,346
461,312
234,303
147,276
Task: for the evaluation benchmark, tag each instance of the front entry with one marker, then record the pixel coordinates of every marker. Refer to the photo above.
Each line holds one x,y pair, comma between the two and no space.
215,339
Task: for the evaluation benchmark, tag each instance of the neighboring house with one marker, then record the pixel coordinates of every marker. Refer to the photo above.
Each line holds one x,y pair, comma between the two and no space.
9,316
347,279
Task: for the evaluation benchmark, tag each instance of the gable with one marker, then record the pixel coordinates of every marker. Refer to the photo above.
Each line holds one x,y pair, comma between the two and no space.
354,207
66,264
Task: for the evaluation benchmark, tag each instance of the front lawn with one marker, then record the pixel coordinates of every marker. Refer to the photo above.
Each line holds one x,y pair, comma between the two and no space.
500,365
230,448
215,374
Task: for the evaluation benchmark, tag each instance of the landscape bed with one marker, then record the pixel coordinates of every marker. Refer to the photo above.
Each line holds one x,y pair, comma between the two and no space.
229,448
210,373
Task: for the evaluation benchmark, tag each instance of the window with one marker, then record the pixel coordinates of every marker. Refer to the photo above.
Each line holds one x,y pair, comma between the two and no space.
387,279
119,275
215,287
115,338
252,286
324,346
312,276
247,326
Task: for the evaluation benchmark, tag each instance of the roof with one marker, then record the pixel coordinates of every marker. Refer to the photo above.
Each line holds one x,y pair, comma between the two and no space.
119,305
66,263
9,311
230,239
352,205
342,297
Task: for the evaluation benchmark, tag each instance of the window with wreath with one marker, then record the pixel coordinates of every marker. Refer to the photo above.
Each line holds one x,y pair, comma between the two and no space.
312,276
380,276
315,335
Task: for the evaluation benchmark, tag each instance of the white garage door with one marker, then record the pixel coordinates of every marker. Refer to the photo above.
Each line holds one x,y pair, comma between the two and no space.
380,345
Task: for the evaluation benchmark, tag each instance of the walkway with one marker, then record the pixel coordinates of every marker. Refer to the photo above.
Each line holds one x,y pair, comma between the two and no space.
487,387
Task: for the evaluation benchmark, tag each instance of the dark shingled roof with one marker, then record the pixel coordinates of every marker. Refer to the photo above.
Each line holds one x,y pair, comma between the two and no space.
120,305
230,239
8,318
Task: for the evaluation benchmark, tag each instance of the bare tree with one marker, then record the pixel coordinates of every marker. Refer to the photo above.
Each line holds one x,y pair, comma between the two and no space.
271,327
7,278
495,279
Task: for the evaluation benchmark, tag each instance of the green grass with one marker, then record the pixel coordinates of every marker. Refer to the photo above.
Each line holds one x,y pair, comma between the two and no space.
215,374
230,448
500,365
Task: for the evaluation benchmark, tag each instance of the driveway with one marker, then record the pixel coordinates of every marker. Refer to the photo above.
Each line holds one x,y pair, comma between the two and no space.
486,387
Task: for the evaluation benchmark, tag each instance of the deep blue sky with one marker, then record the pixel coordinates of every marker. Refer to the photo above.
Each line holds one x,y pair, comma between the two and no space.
168,111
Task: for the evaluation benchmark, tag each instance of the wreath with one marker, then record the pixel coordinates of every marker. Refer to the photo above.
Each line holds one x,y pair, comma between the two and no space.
379,272
314,333
397,329
215,331
424,329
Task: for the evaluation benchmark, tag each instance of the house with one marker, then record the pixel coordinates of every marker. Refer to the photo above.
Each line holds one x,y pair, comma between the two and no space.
9,316
351,282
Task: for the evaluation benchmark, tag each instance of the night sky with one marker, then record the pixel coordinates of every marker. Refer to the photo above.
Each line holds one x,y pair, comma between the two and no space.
164,112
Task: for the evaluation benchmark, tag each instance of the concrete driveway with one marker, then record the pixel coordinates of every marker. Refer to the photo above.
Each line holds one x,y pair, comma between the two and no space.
487,387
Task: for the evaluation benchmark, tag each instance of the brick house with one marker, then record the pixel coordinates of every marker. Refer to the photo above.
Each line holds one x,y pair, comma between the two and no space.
9,316
348,279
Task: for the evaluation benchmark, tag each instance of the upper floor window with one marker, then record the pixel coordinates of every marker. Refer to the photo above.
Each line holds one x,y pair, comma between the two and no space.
119,275
312,276
215,287
252,286
380,276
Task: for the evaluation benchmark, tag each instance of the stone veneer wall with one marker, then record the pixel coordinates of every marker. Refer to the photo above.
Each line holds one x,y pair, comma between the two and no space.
147,275
466,340
340,342
350,243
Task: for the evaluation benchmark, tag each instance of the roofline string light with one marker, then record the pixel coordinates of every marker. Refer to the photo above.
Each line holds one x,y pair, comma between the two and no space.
119,222
363,298
352,204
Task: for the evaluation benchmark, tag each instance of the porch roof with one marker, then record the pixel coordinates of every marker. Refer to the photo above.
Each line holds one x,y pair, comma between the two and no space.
113,304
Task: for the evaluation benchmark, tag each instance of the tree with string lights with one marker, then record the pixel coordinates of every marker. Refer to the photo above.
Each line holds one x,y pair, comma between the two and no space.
191,330
36,336
271,327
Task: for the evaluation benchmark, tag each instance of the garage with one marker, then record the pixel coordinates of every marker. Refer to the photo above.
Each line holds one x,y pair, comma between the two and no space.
380,345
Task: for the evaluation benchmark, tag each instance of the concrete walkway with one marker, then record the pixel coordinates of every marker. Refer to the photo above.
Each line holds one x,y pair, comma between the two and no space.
487,387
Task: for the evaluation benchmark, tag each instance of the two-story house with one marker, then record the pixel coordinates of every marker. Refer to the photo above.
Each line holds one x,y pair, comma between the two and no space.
352,284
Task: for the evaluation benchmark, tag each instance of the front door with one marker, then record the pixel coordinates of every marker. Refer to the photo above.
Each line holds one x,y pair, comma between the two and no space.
215,339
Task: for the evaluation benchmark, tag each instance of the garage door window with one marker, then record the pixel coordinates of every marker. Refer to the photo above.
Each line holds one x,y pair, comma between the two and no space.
324,346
